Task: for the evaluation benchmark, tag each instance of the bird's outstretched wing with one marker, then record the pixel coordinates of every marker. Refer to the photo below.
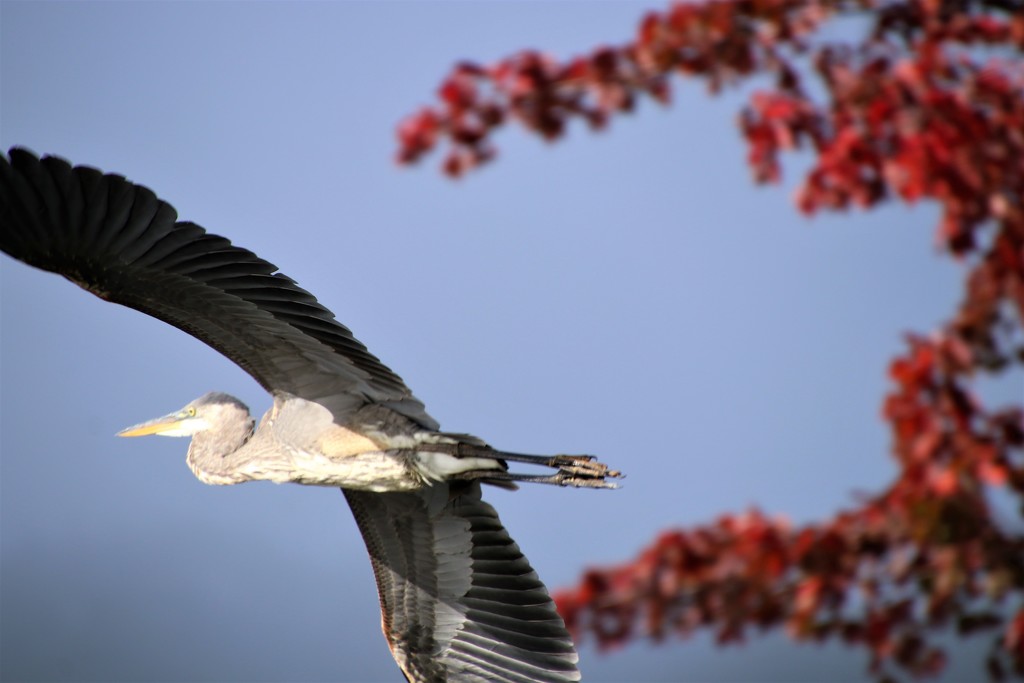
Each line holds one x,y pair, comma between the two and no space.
459,602
123,244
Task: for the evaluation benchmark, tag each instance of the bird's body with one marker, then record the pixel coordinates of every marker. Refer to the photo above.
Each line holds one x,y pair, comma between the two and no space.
459,601
298,441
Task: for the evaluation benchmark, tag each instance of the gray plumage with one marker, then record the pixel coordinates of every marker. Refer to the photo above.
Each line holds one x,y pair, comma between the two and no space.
459,600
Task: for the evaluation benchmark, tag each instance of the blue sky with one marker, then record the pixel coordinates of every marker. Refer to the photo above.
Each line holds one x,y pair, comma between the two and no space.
629,294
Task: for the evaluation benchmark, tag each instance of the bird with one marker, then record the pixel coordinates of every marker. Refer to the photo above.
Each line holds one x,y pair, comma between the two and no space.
459,601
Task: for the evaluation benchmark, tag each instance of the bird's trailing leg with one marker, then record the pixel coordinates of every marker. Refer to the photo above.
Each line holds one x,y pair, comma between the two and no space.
583,471
560,478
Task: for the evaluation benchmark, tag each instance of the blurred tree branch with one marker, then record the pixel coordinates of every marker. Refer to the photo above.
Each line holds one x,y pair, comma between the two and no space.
929,105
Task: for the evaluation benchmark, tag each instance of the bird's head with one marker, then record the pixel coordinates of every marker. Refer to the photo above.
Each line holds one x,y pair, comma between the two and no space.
206,412
219,424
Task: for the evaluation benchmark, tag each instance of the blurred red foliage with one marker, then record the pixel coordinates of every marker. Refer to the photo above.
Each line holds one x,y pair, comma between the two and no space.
928,106
924,555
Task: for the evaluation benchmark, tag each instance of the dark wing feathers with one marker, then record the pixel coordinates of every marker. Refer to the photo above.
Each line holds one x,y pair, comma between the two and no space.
459,601
121,242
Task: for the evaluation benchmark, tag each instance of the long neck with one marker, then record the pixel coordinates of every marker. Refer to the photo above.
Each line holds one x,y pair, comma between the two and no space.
220,457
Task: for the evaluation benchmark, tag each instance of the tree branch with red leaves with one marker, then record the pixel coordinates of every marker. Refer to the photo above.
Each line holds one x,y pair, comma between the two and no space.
929,105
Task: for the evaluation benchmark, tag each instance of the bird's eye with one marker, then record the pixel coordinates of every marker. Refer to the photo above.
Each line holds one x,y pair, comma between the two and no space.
191,410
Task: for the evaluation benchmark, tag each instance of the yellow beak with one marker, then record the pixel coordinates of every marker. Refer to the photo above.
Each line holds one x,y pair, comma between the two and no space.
157,426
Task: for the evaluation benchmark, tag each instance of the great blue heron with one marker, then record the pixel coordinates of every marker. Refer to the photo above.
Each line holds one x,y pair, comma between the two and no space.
459,601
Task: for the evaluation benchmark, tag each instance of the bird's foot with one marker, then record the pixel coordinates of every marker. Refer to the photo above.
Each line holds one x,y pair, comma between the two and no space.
583,467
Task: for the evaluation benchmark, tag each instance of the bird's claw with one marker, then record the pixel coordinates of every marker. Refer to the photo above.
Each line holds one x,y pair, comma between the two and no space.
584,471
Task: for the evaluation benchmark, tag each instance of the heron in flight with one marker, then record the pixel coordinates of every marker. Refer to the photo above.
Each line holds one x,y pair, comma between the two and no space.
459,601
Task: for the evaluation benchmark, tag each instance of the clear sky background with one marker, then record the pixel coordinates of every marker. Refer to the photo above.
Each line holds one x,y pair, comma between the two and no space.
629,294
